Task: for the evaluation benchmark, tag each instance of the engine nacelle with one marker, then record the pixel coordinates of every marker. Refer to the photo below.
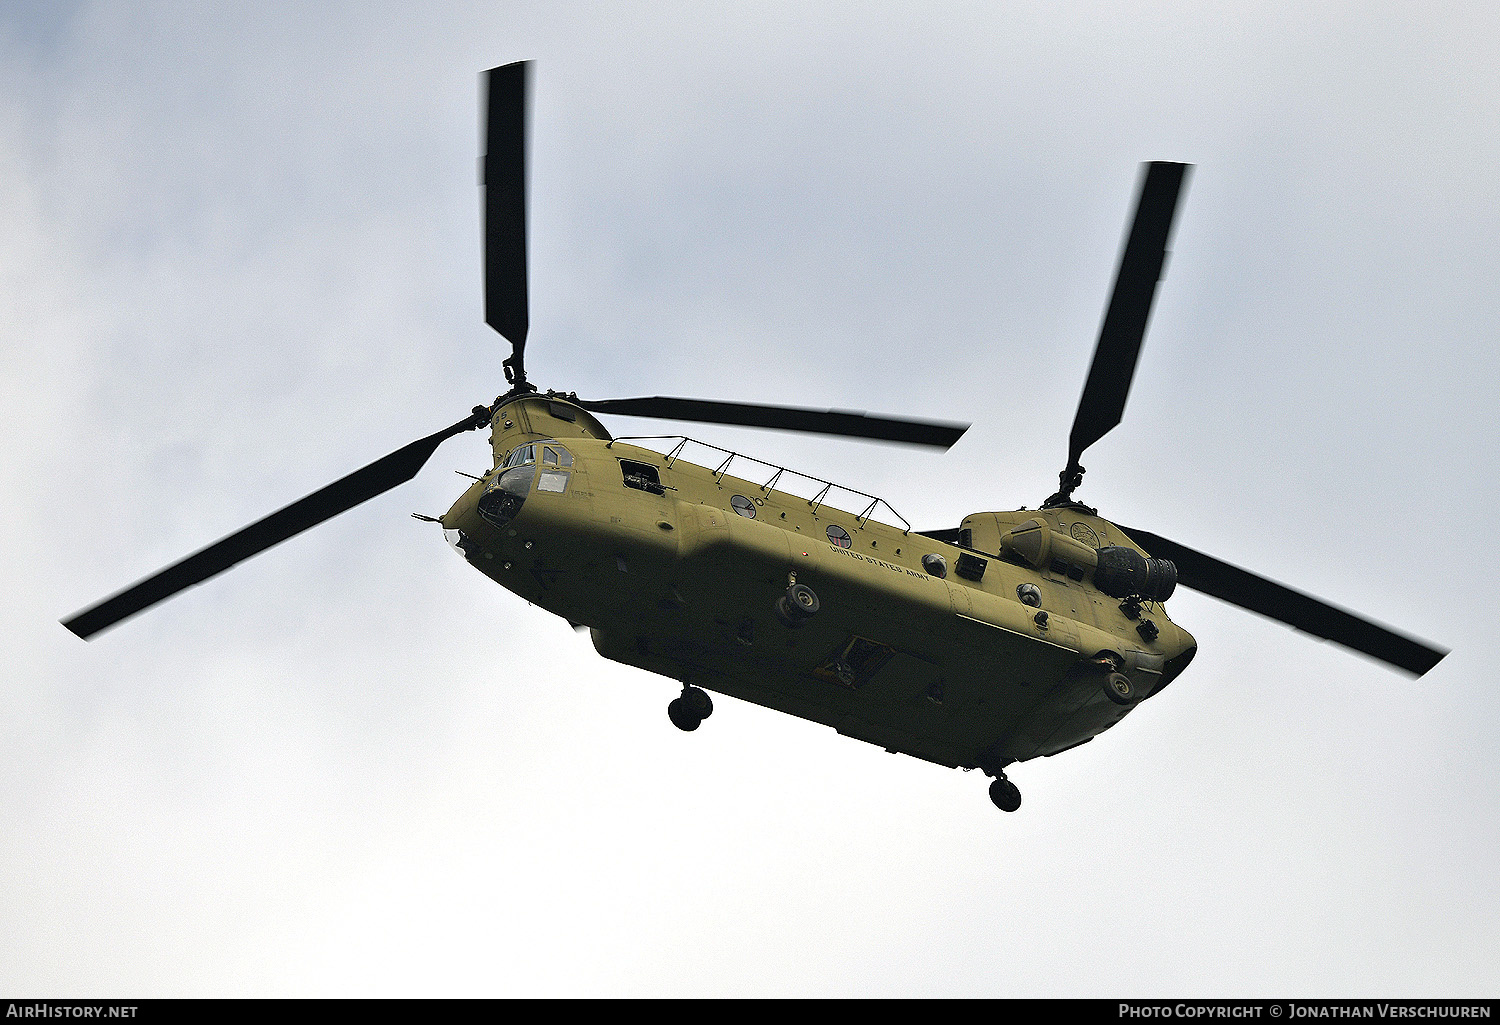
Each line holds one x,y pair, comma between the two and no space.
1118,571
1123,572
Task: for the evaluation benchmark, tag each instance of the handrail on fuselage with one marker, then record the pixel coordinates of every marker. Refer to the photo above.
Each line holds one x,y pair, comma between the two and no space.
730,456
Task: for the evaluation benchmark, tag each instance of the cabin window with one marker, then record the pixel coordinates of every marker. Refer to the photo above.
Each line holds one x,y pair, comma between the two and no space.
743,506
520,456
837,535
970,567
854,662
641,476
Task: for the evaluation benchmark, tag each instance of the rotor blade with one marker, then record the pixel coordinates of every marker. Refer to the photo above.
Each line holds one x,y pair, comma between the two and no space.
363,484
503,176
845,423
1119,346
947,535
1276,601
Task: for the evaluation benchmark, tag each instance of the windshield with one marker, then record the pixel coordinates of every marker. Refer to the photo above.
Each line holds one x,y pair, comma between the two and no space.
550,453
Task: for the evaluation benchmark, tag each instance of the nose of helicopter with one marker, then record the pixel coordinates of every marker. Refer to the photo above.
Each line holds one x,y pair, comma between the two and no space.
462,522
476,521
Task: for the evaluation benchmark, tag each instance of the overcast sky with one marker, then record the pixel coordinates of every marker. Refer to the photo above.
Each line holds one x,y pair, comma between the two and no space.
239,257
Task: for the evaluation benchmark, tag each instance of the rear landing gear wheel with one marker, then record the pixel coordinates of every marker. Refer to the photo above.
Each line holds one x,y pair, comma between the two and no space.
698,702
1005,794
1119,689
682,717
688,710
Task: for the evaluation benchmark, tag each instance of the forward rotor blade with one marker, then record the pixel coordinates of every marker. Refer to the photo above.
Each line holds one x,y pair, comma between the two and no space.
844,423
1119,346
363,484
1276,601
503,175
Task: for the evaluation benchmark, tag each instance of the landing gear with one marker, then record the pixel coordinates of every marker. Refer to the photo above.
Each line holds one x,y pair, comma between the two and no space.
1119,689
797,606
688,710
1005,794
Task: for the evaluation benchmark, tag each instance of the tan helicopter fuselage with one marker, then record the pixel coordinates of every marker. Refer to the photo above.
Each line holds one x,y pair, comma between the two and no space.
677,569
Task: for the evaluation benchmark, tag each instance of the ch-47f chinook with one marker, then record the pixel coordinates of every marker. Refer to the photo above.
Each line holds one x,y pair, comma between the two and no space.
1014,635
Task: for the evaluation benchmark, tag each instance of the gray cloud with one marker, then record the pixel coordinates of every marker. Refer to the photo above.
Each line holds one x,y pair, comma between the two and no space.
239,256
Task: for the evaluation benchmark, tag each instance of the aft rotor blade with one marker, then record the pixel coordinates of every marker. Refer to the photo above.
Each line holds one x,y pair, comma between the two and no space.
947,535
1119,346
844,423
1276,601
503,176
363,484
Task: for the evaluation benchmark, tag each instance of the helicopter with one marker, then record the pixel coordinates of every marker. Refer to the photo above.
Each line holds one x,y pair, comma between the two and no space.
1015,635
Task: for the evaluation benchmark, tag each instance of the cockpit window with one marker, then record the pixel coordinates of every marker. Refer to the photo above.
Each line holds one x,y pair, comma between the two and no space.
555,455
548,453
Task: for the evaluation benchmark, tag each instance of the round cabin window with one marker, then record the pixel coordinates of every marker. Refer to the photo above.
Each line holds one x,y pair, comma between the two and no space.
839,536
743,506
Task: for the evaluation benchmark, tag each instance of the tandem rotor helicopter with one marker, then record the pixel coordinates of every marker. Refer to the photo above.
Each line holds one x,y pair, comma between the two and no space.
1014,635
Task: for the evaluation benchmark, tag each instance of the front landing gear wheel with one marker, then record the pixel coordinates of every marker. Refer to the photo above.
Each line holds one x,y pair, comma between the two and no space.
688,710
796,606
1005,794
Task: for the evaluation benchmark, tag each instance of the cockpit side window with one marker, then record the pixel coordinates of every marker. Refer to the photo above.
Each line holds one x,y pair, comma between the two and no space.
556,455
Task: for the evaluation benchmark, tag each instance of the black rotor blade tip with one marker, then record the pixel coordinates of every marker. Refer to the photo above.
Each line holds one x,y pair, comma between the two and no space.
327,502
1301,611
506,91
1125,318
